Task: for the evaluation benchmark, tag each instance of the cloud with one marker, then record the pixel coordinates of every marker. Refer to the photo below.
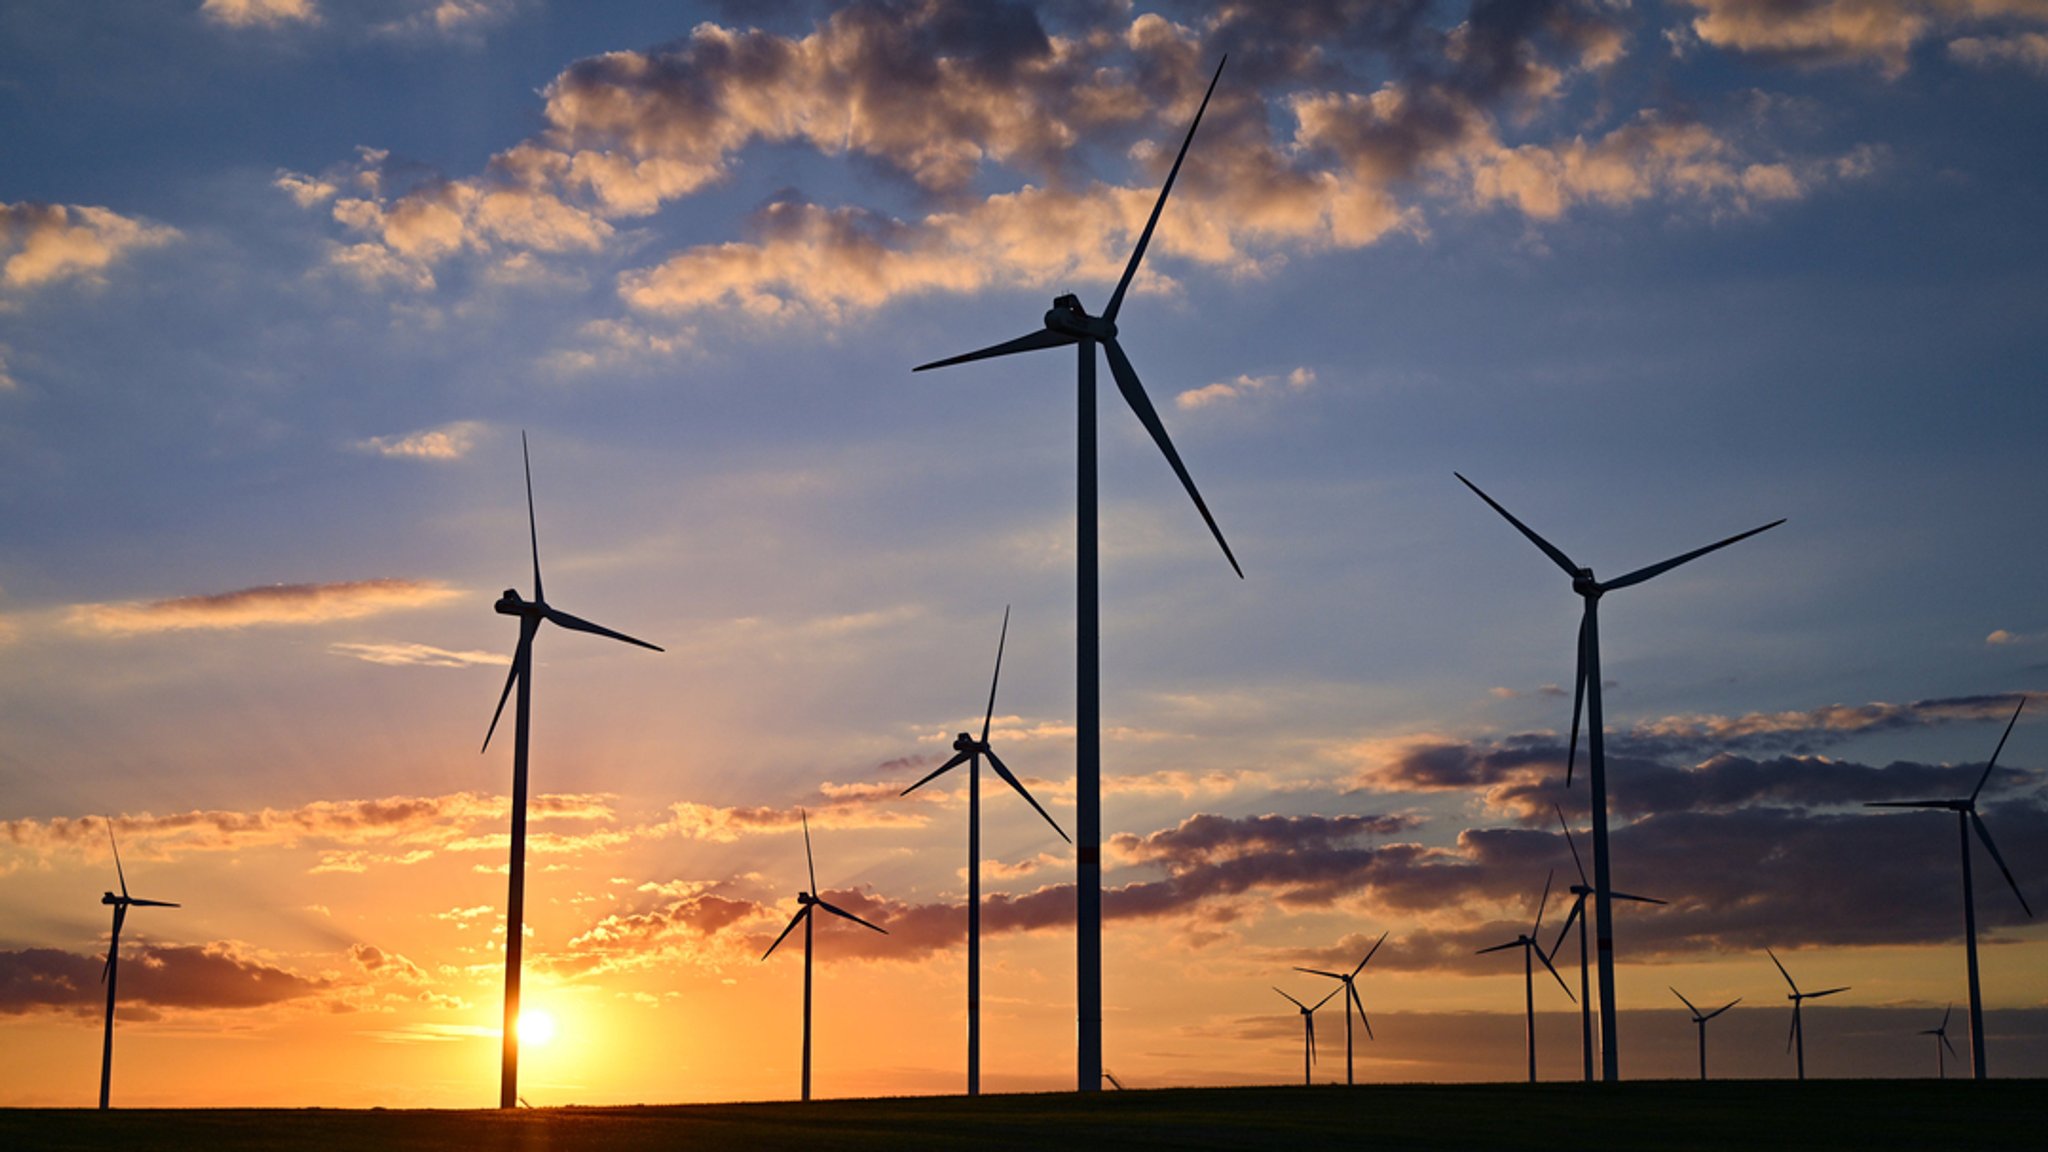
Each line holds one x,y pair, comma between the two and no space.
154,978
1880,33
724,825
447,442
2000,637
46,243
260,13
2027,50
270,604
1296,381
305,191
416,655
7,381
450,19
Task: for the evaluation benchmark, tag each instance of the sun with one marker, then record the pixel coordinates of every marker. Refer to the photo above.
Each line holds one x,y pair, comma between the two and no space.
536,1028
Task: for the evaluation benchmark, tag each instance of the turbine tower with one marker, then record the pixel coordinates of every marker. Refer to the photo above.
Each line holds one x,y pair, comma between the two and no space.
969,751
1069,323
1527,943
1308,1040
531,614
1940,1042
1351,1000
805,902
1701,1020
1586,693
1797,1037
1580,891
111,974
1966,816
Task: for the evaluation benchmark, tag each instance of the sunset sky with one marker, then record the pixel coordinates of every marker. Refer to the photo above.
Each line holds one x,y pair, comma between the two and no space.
282,282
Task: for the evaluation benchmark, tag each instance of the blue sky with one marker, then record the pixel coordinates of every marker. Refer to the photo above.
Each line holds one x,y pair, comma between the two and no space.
281,282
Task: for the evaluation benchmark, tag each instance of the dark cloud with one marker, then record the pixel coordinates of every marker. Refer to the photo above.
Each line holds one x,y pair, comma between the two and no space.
154,978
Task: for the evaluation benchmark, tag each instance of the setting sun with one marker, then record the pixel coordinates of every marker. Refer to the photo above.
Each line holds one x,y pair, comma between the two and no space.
536,1028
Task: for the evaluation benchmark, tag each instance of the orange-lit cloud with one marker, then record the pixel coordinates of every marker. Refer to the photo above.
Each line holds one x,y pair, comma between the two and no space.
260,13
1881,33
2027,50
270,604
417,655
45,243
447,442
1224,390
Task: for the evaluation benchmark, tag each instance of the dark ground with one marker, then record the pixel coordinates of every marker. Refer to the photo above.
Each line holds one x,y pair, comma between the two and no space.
1924,1116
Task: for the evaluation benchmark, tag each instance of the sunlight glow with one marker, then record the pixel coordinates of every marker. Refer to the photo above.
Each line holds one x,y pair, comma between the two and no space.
536,1028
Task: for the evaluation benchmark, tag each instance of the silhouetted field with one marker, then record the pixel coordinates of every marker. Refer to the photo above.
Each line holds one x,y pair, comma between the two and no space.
1861,1114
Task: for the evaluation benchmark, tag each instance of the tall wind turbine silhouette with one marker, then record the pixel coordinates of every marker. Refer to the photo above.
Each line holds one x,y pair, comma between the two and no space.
1586,693
805,902
111,974
531,614
1351,1000
1308,1039
969,751
1701,1019
1940,1042
1069,323
1966,816
1797,1037
1530,947
1580,891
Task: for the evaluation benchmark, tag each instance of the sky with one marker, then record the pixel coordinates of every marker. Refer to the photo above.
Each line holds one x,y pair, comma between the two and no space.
282,283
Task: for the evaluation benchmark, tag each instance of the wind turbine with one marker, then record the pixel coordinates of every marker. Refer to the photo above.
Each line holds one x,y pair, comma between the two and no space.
1113,1081
1797,1037
1308,1040
1701,1020
1966,815
111,974
1586,693
1940,1042
1581,890
1351,1000
1069,323
969,751
531,613
805,902
1529,946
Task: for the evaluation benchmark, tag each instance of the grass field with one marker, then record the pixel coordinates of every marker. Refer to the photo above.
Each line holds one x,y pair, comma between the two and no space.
1924,1116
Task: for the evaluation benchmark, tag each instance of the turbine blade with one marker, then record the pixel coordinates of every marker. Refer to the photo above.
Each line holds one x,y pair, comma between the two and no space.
1793,1032
1543,903
1781,970
1993,763
1945,1015
793,922
1684,1001
1613,895
1043,338
809,864
1116,299
1319,972
1578,906
1553,972
1368,956
1499,947
1360,1005
836,910
1951,1048
1984,834
578,624
1569,842
1826,992
1724,1007
1551,550
1292,1000
120,875
532,525
1642,574
1311,1018
1141,405
1326,997
989,716
958,759
997,763
155,903
1571,755
520,656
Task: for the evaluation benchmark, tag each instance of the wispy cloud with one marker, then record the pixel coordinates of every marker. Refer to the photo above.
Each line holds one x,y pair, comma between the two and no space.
415,655
1879,33
270,604
2027,50
260,13
447,442
2000,637
1295,381
46,243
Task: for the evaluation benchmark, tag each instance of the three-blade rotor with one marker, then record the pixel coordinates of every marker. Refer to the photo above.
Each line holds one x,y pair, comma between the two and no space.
1529,941
532,612
1350,983
1069,323
1591,590
810,899
1966,808
1697,1016
121,903
969,750
1584,888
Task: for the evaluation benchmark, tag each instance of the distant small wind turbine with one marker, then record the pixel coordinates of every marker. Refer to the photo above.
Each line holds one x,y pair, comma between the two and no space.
1586,693
1701,1020
1308,1040
805,902
1351,1000
1797,1037
111,974
1069,323
1530,947
969,751
1581,890
1966,816
1941,1042
531,614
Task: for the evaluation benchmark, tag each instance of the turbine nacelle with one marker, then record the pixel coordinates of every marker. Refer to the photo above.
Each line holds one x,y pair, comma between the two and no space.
513,604
965,742
1584,584
806,898
1069,318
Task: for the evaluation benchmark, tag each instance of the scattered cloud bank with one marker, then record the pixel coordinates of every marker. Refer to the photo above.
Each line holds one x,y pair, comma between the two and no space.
1297,380
447,442
260,13
42,244
155,979
1871,33
269,604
